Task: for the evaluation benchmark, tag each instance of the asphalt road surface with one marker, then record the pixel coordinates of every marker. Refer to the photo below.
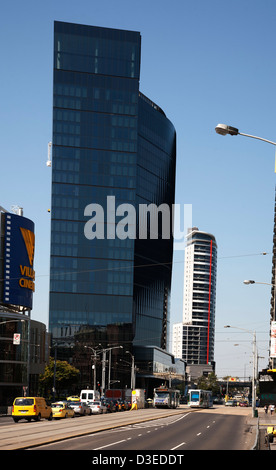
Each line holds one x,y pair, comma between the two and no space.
202,430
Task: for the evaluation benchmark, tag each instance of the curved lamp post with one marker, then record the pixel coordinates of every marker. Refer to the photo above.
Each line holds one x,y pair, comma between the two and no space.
250,281
224,129
254,365
133,378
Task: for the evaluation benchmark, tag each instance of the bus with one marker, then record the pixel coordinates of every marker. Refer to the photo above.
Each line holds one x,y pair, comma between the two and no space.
166,398
200,399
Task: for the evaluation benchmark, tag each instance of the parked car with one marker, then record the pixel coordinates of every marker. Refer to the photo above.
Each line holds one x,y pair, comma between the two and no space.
123,405
62,409
110,406
128,405
183,400
81,408
97,407
217,401
31,408
231,403
119,405
89,395
243,403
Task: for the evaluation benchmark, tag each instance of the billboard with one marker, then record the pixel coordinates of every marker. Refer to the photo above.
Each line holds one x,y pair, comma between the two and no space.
19,274
273,339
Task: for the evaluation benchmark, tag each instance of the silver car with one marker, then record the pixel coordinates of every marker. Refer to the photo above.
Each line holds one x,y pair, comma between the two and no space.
97,407
80,408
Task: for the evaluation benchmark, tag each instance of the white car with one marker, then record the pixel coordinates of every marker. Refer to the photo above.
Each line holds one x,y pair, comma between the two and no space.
97,407
80,408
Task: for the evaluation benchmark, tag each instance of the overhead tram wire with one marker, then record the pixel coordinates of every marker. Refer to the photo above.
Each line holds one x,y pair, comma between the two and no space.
138,266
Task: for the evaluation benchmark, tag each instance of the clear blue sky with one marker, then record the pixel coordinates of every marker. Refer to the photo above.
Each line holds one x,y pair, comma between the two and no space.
203,62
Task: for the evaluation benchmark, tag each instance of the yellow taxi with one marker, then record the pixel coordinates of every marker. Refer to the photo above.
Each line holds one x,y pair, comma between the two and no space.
73,398
270,433
62,409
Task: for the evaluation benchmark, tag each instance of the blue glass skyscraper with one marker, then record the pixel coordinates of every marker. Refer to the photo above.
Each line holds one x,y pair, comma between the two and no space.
110,142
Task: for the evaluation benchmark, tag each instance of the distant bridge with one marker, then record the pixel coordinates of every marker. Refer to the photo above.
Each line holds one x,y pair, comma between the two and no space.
235,383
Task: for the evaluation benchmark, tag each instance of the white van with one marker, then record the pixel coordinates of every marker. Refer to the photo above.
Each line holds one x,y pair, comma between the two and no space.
89,395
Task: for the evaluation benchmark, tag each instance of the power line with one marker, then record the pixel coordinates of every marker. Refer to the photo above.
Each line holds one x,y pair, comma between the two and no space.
116,268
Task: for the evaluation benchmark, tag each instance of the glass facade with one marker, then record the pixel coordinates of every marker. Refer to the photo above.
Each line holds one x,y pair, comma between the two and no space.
155,184
21,361
13,357
110,143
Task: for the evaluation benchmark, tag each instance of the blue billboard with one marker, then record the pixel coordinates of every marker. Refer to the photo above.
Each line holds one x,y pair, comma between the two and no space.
19,274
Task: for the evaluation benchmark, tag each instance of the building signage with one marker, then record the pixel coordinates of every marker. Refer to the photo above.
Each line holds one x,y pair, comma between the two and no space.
273,339
19,274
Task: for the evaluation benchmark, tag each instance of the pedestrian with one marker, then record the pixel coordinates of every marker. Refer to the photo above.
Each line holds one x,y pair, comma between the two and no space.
272,408
265,408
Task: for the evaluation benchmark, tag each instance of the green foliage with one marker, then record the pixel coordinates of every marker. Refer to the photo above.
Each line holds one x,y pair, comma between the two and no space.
209,383
66,376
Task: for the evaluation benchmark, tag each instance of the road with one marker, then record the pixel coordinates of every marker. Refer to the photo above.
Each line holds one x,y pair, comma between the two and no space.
172,430
189,431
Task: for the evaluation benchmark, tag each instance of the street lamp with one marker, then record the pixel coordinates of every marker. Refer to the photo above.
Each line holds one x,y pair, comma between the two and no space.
250,281
94,365
254,365
247,282
104,351
223,129
132,386
109,363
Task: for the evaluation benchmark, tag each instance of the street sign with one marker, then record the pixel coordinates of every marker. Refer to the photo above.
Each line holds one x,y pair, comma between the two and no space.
16,338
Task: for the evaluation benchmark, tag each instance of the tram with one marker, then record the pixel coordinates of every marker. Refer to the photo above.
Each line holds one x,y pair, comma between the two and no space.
200,399
166,398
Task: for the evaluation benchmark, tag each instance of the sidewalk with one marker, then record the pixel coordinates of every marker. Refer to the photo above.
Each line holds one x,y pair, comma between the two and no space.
265,420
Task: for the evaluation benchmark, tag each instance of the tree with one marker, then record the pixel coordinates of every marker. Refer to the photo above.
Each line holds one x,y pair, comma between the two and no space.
209,383
66,376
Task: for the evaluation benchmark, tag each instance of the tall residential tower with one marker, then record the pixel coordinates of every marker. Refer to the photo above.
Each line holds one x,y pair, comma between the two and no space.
194,337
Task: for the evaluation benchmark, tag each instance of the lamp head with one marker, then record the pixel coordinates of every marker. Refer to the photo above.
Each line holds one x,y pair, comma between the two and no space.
223,129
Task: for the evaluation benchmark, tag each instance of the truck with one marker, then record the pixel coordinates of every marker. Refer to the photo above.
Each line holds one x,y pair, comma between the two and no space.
135,397
138,399
117,393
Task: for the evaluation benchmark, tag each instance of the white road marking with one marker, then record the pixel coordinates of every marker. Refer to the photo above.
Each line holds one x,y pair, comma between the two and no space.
108,445
179,445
